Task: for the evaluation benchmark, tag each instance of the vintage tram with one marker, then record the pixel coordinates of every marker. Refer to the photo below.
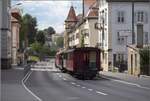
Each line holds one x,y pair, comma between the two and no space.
84,63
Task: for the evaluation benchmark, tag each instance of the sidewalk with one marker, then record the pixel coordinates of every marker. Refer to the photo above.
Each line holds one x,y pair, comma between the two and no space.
11,86
142,80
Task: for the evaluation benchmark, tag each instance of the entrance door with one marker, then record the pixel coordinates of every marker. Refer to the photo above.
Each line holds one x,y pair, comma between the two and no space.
92,60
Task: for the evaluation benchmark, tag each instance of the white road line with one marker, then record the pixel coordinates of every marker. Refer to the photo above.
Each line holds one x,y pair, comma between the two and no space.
60,76
128,83
98,92
78,85
25,79
64,79
90,89
41,69
73,83
23,83
83,87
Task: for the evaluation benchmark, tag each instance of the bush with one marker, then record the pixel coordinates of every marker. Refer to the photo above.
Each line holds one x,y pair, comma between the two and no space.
145,60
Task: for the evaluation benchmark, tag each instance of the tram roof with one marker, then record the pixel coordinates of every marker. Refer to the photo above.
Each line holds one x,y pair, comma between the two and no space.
81,48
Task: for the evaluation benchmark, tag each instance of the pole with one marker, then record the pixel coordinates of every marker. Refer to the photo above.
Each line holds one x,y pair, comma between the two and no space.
83,8
133,34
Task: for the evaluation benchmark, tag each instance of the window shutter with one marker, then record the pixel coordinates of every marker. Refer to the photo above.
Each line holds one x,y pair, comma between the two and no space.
146,17
117,17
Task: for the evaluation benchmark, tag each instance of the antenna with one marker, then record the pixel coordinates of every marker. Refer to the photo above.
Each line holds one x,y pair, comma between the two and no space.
72,4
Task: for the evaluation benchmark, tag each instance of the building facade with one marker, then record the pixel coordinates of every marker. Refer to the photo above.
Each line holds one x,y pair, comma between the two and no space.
115,29
15,29
80,30
5,31
134,60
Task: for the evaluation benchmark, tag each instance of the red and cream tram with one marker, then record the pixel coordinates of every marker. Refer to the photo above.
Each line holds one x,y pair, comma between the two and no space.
82,62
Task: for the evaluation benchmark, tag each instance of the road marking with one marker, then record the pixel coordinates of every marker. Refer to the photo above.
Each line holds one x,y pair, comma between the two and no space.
27,77
64,79
23,83
78,85
90,89
60,76
128,83
83,87
98,92
73,83
40,69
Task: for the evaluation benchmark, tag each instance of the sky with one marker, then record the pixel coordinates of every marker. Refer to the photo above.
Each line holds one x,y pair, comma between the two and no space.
49,12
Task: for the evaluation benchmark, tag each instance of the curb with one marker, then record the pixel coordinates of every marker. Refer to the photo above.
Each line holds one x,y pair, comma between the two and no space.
145,76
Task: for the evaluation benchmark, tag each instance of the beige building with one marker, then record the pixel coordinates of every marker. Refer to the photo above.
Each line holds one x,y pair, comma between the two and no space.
134,58
81,31
15,28
135,55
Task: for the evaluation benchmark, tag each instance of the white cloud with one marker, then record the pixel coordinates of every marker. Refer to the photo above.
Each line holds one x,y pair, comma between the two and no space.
50,13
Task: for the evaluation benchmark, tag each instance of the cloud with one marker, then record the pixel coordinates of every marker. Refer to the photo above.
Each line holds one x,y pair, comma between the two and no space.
50,13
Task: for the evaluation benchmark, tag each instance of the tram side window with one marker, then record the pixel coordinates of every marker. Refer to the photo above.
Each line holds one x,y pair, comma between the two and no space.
65,56
92,58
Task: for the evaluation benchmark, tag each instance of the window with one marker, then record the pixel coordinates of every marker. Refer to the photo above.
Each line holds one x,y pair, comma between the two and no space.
77,35
135,61
114,59
141,16
146,37
105,18
120,17
120,40
122,57
105,58
119,57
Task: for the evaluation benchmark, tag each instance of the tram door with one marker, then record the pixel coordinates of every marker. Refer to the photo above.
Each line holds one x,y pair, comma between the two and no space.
92,60
86,59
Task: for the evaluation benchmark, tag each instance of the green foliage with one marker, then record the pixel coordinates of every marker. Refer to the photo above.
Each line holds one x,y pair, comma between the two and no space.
60,42
41,50
34,58
50,30
40,37
28,29
36,47
145,57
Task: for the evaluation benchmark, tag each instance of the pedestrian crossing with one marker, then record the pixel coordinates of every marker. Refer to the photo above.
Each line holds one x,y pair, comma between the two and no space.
44,66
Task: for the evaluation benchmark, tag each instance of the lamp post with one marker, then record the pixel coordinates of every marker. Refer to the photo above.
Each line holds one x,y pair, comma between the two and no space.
133,34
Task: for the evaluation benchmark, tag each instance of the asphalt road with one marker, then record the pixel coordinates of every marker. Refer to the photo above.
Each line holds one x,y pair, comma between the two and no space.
46,83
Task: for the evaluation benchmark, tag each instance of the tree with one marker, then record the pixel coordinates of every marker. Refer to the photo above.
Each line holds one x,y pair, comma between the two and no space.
36,47
60,42
50,30
145,60
40,37
28,29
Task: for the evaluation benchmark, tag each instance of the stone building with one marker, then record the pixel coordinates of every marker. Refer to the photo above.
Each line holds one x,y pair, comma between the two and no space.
115,29
81,27
15,29
5,33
